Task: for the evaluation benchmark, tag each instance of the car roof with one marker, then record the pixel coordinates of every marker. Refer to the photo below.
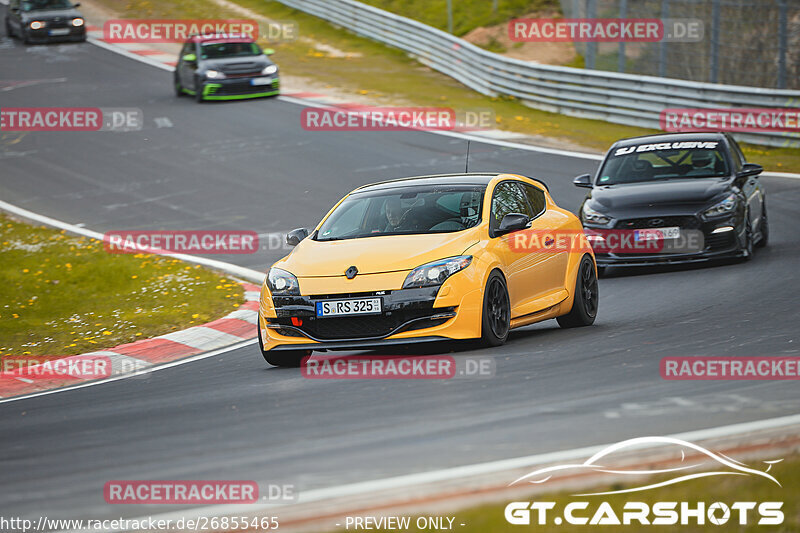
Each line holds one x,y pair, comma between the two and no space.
220,38
471,178
671,137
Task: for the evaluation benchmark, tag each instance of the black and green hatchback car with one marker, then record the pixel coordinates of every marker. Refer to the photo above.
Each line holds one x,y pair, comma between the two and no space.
225,67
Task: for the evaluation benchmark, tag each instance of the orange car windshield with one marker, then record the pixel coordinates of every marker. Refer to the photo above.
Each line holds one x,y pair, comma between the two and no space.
404,211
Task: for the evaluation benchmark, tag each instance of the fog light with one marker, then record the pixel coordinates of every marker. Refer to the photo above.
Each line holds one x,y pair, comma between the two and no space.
723,229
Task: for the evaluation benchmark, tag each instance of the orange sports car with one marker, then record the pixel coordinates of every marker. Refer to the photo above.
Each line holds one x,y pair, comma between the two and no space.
427,259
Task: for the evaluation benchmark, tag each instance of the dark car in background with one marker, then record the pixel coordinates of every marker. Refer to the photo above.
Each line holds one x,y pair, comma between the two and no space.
225,67
670,186
42,21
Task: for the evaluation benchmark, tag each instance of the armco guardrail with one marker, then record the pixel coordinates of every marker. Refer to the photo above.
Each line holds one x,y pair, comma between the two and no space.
610,96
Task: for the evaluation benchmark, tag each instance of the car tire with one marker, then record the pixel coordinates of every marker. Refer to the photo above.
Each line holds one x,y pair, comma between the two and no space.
9,33
496,314
24,36
176,83
283,358
747,248
763,228
198,91
585,302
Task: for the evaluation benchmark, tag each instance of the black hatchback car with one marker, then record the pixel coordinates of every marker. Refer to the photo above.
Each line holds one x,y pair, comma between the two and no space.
662,189
41,21
225,67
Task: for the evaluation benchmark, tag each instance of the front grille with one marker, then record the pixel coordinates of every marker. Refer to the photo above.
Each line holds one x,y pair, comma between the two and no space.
57,23
366,326
683,222
354,327
243,87
239,68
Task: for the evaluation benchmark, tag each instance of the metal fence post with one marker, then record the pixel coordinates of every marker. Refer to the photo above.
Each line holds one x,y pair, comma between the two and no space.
662,48
591,47
623,13
450,17
714,74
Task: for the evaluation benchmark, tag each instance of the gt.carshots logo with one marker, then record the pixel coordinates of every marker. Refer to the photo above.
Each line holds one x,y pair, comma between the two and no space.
690,462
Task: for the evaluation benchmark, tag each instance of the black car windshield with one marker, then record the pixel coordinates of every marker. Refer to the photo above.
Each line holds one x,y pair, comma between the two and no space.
222,50
644,163
404,211
40,5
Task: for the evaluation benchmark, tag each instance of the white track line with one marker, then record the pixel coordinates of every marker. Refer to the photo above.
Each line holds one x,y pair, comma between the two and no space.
459,472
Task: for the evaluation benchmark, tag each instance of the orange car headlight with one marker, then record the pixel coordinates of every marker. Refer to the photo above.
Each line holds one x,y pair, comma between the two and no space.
433,274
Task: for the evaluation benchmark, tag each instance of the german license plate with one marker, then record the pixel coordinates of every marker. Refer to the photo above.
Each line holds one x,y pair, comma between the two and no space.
59,31
360,306
656,234
261,81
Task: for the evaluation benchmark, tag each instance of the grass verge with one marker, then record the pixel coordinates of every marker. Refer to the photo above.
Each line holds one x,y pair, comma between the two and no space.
65,295
725,489
467,14
388,76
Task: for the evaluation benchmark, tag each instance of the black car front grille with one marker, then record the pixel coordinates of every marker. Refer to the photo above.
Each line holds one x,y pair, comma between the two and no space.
683,222
720,241
244,87
57,23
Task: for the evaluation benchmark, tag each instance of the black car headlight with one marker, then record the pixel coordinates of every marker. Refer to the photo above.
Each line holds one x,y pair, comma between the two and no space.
433,274
725,207
282,283
78,22
594,217
270,69
37,24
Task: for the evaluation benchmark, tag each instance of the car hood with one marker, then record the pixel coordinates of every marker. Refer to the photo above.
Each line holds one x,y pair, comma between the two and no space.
374,255
50,14
235,65
671,192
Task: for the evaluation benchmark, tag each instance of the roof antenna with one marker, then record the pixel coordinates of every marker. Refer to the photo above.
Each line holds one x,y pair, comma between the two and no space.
466,166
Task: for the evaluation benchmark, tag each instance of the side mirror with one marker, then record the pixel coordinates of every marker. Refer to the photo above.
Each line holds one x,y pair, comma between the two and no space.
189,58
294,237
268,51
750,169
512,222
584,180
